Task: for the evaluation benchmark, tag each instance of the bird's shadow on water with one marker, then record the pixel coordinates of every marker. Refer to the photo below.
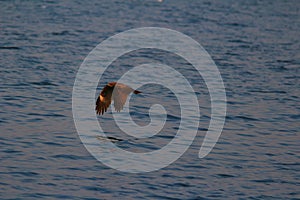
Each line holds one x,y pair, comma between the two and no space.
132,145
109,139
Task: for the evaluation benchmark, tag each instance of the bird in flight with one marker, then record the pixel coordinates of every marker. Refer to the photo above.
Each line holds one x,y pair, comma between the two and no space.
117,92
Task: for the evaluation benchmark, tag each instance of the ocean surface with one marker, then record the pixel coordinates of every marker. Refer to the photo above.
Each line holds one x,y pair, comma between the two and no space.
256,46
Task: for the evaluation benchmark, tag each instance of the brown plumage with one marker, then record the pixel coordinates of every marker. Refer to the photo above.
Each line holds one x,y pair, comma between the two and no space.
117,92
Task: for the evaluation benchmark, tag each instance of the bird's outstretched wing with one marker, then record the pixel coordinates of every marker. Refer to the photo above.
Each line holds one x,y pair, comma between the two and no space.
101,106
104,100
120,94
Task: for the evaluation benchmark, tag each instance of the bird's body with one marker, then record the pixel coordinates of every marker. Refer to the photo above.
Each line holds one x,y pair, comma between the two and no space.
116,92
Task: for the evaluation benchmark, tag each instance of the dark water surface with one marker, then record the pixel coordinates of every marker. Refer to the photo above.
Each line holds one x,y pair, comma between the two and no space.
256,46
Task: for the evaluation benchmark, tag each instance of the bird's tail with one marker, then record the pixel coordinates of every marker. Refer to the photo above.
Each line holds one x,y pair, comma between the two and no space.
136,92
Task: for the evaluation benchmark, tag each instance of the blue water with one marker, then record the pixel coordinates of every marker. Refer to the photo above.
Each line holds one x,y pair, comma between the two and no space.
256,46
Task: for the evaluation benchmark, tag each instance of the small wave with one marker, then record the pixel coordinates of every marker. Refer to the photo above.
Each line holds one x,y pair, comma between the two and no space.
241,117
68,156
46,114
225,175
269,91
10,48
44,83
